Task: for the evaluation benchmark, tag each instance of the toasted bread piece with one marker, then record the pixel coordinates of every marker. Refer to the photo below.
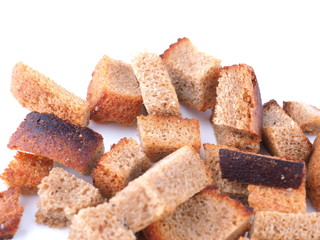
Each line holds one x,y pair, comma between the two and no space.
158,93
100,222
49,136
26,172
282,135
237,116
307,116
37,92
161,136
113,93
10,212
194,74
61,196
114,170
167,184
201,218
285,226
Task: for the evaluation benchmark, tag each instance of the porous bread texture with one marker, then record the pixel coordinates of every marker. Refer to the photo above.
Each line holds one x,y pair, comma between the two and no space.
37,92
307,116
207,215
237,116
49,136
232,188
158,93
114,170
61,196
193,73
26,171
282,135
166,185
10,212
161,136
285,226
99,223
113,93
313,175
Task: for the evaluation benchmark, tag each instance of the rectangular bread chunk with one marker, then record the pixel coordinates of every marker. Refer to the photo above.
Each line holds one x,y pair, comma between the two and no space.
207,215
158,93
166,185
10,212
26,172
61,196
113,93
261,169
282,135
285,226
193,73
49,136
237,116
114,170
99,223
307,116
161,136
37,92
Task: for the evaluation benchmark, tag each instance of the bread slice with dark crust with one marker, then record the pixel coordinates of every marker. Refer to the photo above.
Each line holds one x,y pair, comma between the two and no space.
37,92
10,212
49,136
113,93
237,116
207,215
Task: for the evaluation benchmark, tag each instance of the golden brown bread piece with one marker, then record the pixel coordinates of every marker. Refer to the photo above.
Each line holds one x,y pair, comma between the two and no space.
49,136
10,212
26,172
37,92
113,93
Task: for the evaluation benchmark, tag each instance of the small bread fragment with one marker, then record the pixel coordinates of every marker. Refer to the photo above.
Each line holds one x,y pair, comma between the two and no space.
51,137
10,212
114,170
167,184
113,93
285,226
207,215
237,116
61,196
282,135
161,136
26,172
307,116
100,222
158,93
39,93
193,73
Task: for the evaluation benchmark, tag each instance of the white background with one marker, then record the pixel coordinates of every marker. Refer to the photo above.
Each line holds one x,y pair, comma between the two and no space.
65,39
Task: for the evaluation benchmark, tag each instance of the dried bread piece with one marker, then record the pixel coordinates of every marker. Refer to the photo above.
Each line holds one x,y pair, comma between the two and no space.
10,212
158,93
285,226
161,136
307,116
39,93
114,170
61,196
49,136
100,222
26,172
207,215
193,73
282,135
166,185
113,93
237,116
